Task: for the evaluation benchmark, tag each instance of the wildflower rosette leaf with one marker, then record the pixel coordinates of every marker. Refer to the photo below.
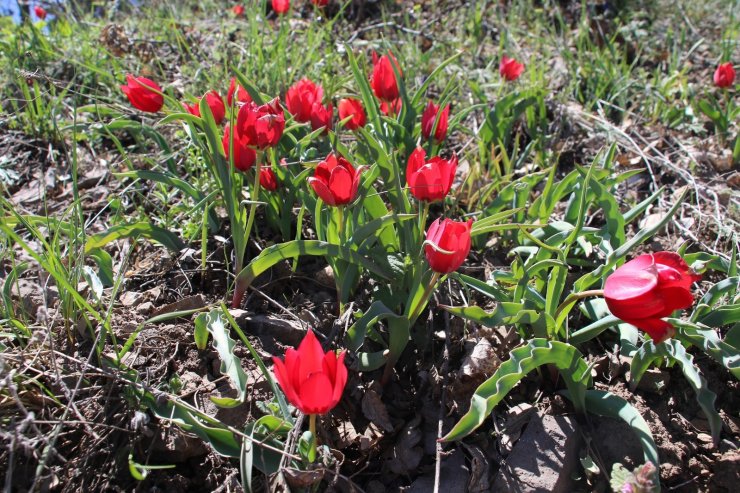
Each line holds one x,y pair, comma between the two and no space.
430,180
144,94
648,288
313,381
447,244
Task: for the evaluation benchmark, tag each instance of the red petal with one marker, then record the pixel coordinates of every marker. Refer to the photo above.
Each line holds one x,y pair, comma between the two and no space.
322,190
310,355
340,184
316,394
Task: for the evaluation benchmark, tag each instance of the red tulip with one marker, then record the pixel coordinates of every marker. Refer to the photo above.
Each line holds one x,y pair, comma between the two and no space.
383,79
244,156
430,180
336,181
648,288
214,102
144,94
238,10
242,96
301,97
268,179
391,108
313,381
724,76
321,117
40,12
429,117
280,6
320,3
262,126
352,107
447,244
510,69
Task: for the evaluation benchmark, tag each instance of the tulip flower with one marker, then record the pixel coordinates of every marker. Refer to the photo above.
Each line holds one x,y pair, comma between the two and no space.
242,96
263,125
313,381
336,181
352,107
238,10
724,76
447,244
429,117
301,97
40,12
144,94
510,69
430,180
321,117
244,156
214,102
268,179
383,79
391,108
649,288
280,6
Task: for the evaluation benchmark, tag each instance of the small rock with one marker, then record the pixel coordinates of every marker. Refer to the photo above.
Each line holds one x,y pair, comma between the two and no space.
188,303
454,476
130,299
145,308
374,410
325,276
704,438
480,360
543,459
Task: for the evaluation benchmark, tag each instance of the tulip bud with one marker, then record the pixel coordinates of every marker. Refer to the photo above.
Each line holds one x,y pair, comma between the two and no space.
352,107
430,180
510,69
429,117
244,156
383,79
313,381
238,10
447,244
268,179
40,12
335,180
648,288
301,97
214,102
143,94
321,117
724,76
280,6
391,108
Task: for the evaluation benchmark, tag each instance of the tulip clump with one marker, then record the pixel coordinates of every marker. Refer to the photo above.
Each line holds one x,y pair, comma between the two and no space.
648,288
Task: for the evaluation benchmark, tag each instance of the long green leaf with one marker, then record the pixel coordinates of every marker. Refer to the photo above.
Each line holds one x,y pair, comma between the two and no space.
523,360
135,230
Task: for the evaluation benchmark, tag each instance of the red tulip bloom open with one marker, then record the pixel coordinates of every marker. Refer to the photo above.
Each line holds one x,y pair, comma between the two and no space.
313,381
336,181
510,69
383,79
352,107
430,180
263,125
447,244
143,94
429,117
301,97
242,96
280,6
648,288
724,76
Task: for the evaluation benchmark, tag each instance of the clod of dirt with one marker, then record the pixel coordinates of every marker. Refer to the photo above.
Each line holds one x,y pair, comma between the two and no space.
654,380
130,299
480,361
726,471
454,475
516,418
543,459
406,454
374,410
188,303
173,445
269,329
626,449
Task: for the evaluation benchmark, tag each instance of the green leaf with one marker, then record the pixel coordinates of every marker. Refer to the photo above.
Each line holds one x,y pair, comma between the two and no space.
593,330
612,406
230,365
154,233
724,352
505,313
296,248
523,360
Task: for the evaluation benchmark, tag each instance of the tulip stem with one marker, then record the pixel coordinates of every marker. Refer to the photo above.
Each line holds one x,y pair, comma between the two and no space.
340,211
573,297
312,429
424,298
239,289
423,217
